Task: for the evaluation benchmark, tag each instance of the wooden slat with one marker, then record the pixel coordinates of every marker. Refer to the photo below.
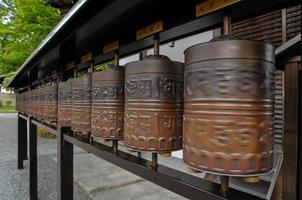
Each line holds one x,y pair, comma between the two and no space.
279,108
293,21
267,27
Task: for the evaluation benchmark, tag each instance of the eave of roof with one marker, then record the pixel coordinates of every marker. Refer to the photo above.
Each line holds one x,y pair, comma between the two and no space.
66,19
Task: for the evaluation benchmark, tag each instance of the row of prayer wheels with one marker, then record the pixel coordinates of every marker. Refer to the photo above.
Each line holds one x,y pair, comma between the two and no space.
217,106
40,103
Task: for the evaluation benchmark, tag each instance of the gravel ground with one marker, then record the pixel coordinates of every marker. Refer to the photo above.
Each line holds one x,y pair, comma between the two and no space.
14,184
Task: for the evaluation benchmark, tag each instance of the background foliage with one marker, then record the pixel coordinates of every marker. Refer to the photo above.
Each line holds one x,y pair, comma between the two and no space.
23,25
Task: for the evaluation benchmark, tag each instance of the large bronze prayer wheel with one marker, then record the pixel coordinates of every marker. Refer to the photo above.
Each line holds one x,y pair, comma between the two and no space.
108,101
17,102
154,104
81,104
21,103
228,110
50,103
35,102
20,100
64,103
26,102
30,102
41,103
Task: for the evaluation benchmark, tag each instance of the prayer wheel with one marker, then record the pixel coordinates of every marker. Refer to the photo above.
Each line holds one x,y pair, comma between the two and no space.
21,102
30,102
154,104
41,103
26,102
108,101
64,103
50,103
228,110
81,104
35,103
20,107
17,102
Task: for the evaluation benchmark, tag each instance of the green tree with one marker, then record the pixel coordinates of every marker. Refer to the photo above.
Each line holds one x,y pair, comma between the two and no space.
23,25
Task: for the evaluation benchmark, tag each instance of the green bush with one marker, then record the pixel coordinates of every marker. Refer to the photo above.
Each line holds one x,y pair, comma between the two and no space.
9,103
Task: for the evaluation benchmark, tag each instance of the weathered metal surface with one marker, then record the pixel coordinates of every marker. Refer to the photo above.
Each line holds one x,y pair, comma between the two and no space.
108,101
30,102
35,100
51,103
23,102
20,102
228,112
27,102
81,104
17,102
41,102
64,103
154,104
275,27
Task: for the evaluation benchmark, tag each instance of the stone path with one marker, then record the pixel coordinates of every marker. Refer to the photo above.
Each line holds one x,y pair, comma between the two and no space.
14,183
95,179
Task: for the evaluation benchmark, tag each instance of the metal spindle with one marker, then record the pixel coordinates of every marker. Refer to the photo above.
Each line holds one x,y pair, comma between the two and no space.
224,185
154,161
115,146
156,45
226,25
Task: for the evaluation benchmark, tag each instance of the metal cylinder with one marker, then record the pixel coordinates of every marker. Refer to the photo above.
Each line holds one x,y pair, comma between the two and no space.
51,103
18,107
108,103
35,100
19,100
228,106
64,103
41,102
81,104
154,104
30,102
25,102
